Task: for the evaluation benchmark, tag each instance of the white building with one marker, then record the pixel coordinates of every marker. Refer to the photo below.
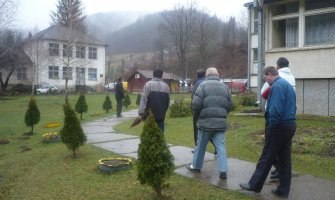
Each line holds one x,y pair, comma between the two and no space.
59,52
303,31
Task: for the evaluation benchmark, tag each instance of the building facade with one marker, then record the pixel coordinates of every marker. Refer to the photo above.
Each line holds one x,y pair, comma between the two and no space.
60,54
303,31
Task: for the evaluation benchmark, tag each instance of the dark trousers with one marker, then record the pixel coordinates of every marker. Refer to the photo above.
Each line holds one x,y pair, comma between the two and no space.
195,133
278,143
266,133
161,125
118,106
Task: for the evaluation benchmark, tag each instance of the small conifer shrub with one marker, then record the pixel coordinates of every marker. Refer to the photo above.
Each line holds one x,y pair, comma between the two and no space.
126,101
72,133
81,105
138,99
155,161
32,116
107,105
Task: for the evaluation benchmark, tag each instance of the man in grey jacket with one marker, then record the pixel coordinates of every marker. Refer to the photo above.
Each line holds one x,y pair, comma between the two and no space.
211,103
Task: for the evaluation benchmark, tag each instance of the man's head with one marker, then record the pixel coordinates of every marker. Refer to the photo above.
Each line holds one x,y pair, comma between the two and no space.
158,73
282,62
119,79
201,73
212,71
270,74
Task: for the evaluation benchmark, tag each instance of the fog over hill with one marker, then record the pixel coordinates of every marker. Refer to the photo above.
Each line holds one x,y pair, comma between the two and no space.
101,25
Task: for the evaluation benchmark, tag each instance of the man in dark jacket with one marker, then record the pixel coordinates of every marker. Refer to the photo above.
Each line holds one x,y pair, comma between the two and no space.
119,95
280,117
211,104
155,96
200,78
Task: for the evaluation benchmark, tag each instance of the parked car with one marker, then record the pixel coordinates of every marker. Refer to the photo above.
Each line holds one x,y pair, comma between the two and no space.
47,89
110,87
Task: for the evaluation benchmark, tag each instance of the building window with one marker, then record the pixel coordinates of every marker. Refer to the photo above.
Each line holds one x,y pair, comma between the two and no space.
92,53
67,51
53,49
283,9
67,73
320,29
255,55
21,73
137,76
53,72
317,4
255,27
80,52
285,33
92,74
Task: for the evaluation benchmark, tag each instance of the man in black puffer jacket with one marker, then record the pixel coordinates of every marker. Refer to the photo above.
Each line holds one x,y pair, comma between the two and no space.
211,104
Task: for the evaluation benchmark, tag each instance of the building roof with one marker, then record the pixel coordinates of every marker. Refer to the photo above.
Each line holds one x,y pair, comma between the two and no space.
62,33
166,76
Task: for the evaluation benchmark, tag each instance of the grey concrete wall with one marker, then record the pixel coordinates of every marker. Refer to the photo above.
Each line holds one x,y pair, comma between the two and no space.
300,95
332,97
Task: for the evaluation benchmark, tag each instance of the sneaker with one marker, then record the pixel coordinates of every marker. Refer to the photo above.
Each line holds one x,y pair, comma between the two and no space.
274,172
192,169
223,175
276,176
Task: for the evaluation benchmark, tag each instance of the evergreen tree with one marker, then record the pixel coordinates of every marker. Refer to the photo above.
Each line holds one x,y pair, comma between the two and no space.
81,105
126,101
32,116
138,99
72,134
155,161
107,104
69,13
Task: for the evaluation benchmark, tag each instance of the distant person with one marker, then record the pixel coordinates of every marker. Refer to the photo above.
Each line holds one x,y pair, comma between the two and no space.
155,96
280,116
200,78
211,104
285,73
119,95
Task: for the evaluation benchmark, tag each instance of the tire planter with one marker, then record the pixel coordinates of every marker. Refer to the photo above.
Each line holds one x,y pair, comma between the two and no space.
110,165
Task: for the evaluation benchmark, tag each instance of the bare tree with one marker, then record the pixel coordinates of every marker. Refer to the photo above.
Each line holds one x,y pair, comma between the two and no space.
8,10
179,26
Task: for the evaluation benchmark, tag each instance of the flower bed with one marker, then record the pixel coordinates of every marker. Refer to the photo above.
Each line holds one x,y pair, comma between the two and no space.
109,165
51,137
52,124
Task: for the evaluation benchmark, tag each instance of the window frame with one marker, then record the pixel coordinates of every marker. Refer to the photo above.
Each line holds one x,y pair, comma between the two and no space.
67,51
92,74
81,52
21,73
93,53
70,75
53,72
53,49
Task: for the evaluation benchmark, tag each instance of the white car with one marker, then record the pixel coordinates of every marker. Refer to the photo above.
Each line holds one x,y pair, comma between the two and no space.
47,89
110,87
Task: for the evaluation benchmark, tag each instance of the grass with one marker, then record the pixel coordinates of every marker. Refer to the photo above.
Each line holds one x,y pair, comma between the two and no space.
47,171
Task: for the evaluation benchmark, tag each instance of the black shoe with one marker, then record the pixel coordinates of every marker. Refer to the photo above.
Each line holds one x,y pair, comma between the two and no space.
192,169
279,194
246,186
276,176
215,153
223,175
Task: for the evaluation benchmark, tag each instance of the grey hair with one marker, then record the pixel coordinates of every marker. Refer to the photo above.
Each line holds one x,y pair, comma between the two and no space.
212,71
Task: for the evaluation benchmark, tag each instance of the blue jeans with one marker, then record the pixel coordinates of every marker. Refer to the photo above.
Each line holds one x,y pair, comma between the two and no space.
218,138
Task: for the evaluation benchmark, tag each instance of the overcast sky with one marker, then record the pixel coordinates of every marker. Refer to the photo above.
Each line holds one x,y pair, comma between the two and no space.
33,13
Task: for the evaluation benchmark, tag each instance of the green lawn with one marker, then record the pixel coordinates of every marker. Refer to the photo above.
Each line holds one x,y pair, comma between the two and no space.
47,171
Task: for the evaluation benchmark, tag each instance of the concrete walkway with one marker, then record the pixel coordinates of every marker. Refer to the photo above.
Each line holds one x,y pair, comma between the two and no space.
100,133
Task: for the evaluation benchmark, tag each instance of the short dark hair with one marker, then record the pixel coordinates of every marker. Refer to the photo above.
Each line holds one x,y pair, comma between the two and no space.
158,73
119,79
270,70
282,62
201,73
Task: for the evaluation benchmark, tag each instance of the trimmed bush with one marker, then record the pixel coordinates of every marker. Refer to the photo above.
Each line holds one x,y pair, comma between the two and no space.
126,101
138,99
248,99
32,116
155,161
81,105
72,133
107,105
180,108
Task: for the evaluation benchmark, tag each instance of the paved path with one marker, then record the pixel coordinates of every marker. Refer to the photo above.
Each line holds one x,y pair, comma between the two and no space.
100,133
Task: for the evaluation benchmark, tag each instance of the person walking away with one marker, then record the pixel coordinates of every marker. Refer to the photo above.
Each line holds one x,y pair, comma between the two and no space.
156,97
200,78
280,115
211,103
285,73
119,95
